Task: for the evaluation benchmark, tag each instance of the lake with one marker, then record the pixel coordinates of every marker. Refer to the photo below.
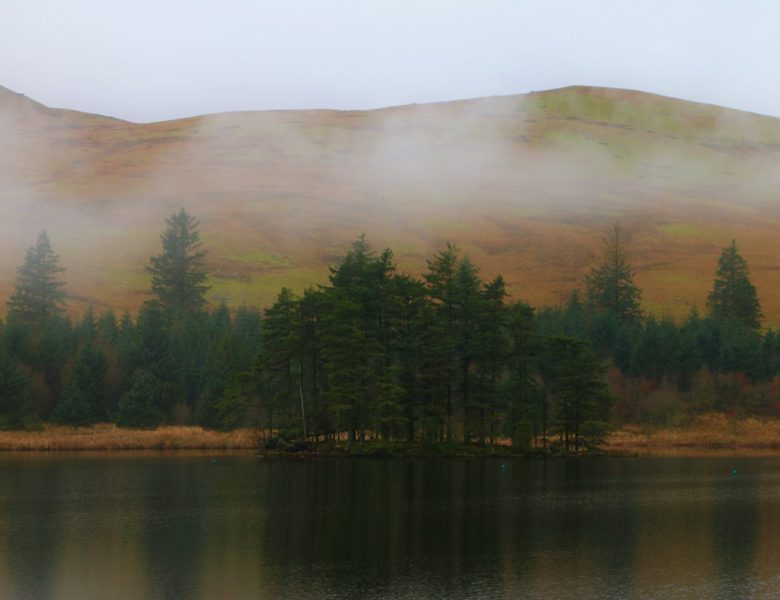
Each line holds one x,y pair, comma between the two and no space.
208,526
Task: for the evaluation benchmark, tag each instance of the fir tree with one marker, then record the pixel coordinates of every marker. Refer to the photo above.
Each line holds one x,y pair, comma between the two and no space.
440,279
278,367
38,296
527,417
359,375
733,297
139,407
576,379
491,351
468,304
73,409
178,274
611,284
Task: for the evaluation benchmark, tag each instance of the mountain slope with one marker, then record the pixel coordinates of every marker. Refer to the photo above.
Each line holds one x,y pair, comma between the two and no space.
525,184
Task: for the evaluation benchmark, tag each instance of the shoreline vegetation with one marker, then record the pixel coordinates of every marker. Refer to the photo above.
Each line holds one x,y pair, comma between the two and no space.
714,434
382,363
707,435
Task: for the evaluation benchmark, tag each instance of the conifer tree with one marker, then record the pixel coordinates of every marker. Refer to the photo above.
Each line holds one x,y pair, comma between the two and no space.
359,381
179,273
139,407
38,295
412,324
733,296
468,304
611,284
440,279
84,400
491,351
576,378
278,366
527,416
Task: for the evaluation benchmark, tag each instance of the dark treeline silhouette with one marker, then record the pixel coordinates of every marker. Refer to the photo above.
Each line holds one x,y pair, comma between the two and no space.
378,354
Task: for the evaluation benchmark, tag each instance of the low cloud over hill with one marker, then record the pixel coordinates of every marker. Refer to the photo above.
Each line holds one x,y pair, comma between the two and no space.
525,184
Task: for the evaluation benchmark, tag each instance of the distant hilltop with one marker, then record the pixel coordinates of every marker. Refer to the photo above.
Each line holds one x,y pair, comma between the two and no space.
524,184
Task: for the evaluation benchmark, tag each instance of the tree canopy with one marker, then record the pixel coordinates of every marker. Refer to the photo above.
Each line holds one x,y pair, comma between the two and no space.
733,296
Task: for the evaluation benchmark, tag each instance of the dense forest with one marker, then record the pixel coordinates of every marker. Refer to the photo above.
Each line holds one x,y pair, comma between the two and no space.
379,354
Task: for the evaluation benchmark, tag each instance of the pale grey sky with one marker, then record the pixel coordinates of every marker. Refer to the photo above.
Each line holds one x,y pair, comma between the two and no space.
148,60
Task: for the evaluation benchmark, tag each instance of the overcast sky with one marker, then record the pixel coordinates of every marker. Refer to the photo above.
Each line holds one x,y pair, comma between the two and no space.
148,60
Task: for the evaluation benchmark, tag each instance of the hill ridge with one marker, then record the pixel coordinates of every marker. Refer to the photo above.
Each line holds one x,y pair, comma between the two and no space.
614,92
523,183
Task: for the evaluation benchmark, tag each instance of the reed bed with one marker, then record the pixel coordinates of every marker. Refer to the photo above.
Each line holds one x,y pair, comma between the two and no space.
106,436
708,434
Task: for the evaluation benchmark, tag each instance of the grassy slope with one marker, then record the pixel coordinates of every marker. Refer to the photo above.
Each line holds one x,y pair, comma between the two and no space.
525,184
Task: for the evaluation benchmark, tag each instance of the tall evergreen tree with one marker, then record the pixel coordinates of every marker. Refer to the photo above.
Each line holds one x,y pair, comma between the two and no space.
611,284
278,366
491,350
38,294
359,377
412,325
576,379
440,279
312,307
468,305
733,296
179,273
527,417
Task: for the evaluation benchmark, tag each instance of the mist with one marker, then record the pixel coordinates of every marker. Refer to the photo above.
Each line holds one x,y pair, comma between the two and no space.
523,184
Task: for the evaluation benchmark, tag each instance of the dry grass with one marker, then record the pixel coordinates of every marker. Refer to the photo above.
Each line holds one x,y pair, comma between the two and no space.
107,436
708,434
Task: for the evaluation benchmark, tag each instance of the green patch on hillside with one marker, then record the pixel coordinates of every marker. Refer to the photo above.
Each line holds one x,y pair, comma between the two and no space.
262,289
129,278
572,102
259,257
690,231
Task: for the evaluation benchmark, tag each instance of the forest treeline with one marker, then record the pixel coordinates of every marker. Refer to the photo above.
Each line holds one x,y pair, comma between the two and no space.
375,353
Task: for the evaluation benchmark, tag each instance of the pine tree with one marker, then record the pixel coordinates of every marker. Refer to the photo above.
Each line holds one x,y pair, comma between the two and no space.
312,306
178,274
611,284
360,381
73,409
139,407
491,354
412,324
440,279
733,297
468,304
278,366
527,417
38,296
576,379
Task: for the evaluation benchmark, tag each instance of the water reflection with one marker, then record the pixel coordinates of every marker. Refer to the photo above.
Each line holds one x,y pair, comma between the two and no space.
735,524
184,527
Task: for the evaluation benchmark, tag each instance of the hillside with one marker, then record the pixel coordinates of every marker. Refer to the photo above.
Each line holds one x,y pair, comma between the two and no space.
525,184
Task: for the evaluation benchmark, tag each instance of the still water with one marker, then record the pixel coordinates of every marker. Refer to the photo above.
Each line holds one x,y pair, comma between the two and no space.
162,526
